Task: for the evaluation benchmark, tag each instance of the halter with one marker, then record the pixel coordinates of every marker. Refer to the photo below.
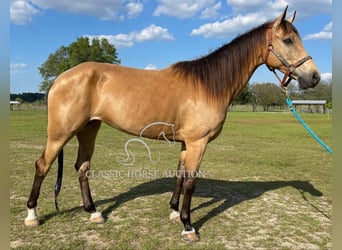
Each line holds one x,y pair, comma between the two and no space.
290,68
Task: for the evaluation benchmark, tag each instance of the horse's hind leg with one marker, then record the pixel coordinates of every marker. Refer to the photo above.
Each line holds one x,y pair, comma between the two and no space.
86,139
43,164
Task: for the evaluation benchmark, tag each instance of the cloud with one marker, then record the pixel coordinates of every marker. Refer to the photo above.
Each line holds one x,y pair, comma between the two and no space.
246,14
326,77
104,9
181,8
21,12
152,32
211,12
228,27
269,7
325,34
134,9
18,66
151,67
246,6
308,8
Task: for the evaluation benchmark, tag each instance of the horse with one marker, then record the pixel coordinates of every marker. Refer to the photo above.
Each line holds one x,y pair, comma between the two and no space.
192,96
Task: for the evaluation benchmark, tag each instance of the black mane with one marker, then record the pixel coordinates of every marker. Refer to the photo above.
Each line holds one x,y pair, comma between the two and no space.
219,70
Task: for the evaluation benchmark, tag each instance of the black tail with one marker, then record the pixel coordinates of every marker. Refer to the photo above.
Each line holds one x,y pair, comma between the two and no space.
58,184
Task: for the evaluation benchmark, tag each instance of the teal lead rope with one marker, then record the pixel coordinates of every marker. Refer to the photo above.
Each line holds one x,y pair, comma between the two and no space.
293,110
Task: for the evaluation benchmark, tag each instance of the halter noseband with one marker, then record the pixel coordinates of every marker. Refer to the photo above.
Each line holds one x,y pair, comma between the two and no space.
290,68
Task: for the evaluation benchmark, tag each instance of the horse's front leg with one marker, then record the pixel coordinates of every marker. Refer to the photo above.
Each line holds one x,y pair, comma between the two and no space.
174,202
195,151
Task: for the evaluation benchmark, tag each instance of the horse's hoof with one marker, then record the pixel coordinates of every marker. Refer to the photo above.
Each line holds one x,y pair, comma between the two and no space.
97,218
190,236
32,218
32,223
175,216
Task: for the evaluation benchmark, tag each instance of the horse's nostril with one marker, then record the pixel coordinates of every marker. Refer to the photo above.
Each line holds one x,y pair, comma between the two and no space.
316,77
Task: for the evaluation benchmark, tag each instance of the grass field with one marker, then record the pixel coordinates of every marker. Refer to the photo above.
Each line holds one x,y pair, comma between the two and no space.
264,184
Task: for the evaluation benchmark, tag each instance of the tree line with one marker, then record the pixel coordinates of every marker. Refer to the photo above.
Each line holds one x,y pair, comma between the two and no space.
28,97
269,95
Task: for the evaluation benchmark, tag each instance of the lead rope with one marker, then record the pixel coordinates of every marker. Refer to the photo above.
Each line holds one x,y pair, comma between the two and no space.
293,110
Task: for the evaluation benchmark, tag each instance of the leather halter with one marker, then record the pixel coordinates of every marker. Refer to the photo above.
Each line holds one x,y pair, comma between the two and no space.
290,68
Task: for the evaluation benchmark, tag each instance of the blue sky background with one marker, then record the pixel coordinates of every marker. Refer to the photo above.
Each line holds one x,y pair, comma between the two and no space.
154,34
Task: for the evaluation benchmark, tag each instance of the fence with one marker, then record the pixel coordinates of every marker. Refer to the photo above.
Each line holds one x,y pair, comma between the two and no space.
28,108
32,109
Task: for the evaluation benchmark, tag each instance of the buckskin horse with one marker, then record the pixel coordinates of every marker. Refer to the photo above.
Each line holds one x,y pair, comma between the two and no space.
192,95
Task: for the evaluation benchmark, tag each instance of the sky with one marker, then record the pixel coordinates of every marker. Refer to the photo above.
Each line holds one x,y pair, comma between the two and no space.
155,34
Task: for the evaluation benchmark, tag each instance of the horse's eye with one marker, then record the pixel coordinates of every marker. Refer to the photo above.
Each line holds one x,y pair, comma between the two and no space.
288,41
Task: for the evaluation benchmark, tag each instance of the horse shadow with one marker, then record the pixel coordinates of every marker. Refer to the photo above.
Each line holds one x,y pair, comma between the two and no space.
230,192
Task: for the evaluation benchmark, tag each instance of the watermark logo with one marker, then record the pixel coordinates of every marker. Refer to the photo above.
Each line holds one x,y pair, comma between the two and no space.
143,174
130,159
167,131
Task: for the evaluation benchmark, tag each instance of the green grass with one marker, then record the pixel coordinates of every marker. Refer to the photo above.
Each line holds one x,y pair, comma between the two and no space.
265,184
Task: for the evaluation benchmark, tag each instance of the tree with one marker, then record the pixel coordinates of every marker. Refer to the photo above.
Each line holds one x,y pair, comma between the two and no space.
244,97
53,66
323,91
266,95
27,97
270,94
82,50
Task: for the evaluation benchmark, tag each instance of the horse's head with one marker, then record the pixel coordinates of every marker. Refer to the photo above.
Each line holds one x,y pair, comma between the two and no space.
285,52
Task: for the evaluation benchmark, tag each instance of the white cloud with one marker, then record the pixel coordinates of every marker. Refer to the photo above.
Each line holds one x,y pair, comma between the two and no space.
325,34
308,8
246,14
152,32
245,6
105,9
326,77
328,27
18,66
21,12
181,8
229,26
134,9
211,12
304,7
209,8
151,67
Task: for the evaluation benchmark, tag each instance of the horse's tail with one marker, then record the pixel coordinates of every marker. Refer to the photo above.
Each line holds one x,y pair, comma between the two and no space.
58,184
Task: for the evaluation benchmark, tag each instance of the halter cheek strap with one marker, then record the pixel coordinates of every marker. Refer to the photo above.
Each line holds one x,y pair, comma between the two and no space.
290,68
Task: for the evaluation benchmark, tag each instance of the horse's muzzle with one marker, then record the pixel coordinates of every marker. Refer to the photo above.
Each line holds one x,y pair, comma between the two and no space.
309,80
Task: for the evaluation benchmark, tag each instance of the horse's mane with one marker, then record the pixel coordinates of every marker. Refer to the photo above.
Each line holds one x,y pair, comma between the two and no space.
226,66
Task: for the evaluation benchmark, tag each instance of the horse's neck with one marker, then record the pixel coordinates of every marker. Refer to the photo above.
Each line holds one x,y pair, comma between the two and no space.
245,65
224,72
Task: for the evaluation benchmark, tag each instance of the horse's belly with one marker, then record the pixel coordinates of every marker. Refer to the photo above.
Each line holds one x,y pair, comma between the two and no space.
146,119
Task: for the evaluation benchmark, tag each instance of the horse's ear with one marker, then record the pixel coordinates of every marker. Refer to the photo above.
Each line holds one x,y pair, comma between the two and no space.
292,18
280,19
